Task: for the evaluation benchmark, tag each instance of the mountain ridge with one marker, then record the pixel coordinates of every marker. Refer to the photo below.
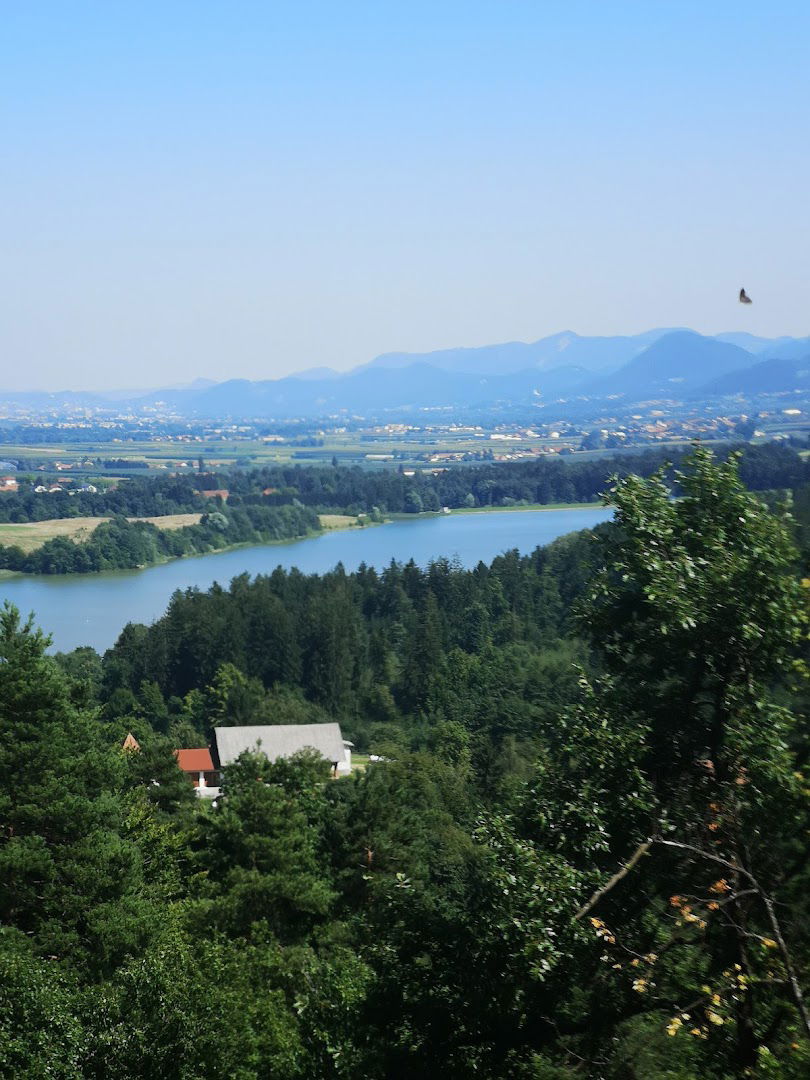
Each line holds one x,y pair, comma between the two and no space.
679,361
566,347
671,363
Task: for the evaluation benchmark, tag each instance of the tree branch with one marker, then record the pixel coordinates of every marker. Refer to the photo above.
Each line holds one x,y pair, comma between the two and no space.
711,857
798,996
770,907
641,850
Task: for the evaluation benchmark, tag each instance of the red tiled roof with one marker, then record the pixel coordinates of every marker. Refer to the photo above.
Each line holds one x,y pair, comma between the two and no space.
195,761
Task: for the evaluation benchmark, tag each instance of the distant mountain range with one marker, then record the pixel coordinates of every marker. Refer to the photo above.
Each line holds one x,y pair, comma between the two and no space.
572,350
767,377
677,363
667,363
560,350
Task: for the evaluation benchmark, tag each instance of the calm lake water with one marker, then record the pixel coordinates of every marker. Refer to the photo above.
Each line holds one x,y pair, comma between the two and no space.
92,609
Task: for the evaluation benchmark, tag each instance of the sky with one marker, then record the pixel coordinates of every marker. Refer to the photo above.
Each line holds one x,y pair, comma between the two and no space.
248,189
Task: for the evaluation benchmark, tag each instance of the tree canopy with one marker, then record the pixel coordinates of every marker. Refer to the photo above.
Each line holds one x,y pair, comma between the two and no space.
581,850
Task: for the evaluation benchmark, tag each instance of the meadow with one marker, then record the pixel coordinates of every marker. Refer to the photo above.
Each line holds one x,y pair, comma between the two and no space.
32,535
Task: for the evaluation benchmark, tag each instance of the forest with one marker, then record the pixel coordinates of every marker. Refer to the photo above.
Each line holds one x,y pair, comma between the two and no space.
120,544
281,503
353,490
582,855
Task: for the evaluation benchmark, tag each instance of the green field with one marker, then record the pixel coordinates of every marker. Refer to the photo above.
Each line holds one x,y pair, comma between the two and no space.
337,521
349,449
410,451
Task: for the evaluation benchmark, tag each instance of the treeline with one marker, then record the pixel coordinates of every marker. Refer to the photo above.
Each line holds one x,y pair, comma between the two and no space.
543,480
356,490
583,857
377,651
120,544
141,496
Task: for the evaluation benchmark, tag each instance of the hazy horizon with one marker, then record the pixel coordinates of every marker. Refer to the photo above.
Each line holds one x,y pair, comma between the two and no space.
249,191
205,380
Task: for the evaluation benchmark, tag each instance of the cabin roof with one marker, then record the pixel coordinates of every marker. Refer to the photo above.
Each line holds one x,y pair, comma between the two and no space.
195,760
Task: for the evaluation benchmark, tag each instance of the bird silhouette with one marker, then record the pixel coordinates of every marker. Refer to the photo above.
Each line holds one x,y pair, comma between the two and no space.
745,298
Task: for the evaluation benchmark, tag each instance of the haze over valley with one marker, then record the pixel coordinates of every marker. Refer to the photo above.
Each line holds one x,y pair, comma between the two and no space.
677,364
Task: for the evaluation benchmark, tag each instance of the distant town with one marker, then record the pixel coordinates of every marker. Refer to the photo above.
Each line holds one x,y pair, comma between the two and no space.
561,395
67,447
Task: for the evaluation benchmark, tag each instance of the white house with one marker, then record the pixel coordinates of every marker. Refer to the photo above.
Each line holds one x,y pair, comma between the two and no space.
284,740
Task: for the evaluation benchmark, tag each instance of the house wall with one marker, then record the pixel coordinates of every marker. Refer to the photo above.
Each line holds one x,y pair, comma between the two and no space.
203,779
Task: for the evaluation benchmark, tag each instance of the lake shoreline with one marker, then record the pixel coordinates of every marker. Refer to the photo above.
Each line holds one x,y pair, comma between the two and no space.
351,524
523,508
14,575
92,609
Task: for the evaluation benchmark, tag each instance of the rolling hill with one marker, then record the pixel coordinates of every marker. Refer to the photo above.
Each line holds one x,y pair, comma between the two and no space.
564,349
766,377
673,365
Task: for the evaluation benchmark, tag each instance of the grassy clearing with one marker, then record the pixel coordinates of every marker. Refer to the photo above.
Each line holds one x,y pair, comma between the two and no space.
337,521
171,521
33,534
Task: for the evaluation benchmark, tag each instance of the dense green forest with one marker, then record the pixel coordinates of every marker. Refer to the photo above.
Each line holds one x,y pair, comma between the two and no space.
281,503
355,490
120,544
584,855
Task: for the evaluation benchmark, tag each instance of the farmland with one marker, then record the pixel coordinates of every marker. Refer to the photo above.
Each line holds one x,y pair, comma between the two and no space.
32,535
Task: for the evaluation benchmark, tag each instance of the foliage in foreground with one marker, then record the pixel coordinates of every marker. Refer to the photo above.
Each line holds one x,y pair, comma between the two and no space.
585,856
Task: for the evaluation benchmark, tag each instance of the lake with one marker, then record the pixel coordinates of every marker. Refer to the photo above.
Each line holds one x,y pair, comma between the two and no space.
92,609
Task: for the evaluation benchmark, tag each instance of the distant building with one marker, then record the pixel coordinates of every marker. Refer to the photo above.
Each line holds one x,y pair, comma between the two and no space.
284,740
8,483
198,766
217,493
130,742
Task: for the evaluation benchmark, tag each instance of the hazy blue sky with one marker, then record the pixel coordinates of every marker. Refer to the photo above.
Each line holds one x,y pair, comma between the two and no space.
245,189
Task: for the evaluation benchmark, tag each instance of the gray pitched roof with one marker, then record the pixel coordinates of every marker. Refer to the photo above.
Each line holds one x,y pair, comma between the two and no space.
279,740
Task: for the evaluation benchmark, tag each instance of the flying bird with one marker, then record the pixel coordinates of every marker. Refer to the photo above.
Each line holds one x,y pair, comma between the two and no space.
745,298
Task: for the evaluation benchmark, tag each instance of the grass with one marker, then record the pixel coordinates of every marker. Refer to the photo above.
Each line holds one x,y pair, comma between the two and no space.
337,521
350,448
171,521
33,534
330,522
